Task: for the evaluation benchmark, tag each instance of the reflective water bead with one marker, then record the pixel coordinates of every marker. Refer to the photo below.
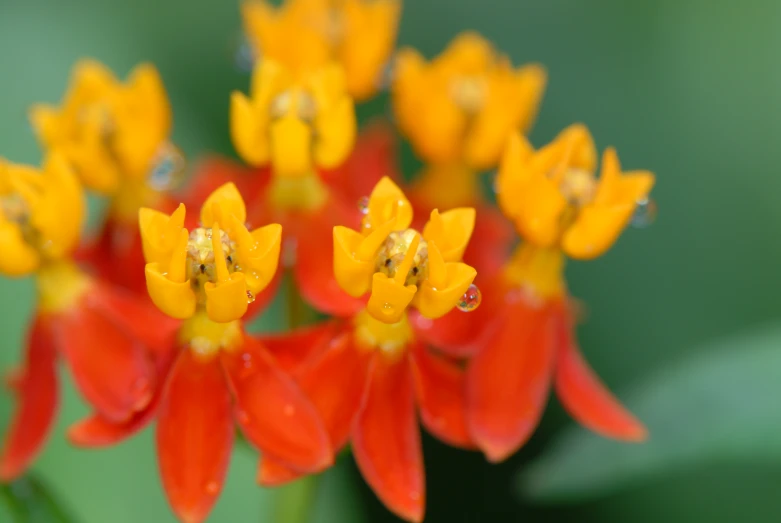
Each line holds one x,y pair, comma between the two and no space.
645,213
363,205
470,300
250,297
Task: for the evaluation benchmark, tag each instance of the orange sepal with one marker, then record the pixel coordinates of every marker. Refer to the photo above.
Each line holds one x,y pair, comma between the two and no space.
272,412
37,394
508,380
196,410
386,438
585,397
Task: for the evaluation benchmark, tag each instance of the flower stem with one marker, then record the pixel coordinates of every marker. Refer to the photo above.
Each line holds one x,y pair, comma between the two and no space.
295,502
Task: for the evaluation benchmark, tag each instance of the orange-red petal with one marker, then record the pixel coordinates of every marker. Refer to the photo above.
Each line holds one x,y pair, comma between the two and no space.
314,268
194,436
112,371
273,413
295,349
95,431
509,379
585,397
441,393
38,397
386,438
491,241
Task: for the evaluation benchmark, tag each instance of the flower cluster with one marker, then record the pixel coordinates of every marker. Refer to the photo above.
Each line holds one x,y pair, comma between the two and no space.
149,316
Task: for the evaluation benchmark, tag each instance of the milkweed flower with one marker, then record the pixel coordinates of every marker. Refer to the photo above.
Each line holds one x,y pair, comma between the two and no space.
303,35
303,130
369,374
560,209
458,111
217,374
97,329
115,136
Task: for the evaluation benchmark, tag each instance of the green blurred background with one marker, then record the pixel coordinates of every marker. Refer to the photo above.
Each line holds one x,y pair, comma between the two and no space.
690,89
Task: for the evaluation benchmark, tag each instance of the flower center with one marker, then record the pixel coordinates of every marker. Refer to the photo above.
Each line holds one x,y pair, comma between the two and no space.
393,252
469,93
300,103
201,257
16,210
578,186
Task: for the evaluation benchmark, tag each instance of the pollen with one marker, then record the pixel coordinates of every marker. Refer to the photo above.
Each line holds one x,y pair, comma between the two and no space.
394,250
201,256
469,93
578,186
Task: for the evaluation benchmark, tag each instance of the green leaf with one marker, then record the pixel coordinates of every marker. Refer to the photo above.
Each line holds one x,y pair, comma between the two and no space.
27,500
721,404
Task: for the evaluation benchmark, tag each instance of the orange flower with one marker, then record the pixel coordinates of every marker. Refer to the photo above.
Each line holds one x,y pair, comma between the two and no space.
555,200
303,35
522,340
368,376
215,372
103,334
461,107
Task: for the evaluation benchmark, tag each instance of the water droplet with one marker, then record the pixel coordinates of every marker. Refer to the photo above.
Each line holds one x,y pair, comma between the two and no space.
212,488
363,205
289,410
471,299
167,168
243,417
414,495
250,297
244,55
645,213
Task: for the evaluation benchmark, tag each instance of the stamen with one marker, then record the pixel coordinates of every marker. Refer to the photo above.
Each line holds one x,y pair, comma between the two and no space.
220,267
374,241
409,258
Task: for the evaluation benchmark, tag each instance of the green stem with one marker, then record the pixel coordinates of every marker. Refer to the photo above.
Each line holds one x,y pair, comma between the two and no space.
295,502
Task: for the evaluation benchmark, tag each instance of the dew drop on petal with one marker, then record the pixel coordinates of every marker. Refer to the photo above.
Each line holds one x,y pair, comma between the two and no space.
363,205
414,495
470,300
212,488
167,168
645,213
244,56
250,297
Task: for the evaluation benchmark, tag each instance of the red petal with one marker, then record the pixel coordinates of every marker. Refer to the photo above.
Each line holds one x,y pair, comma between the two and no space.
111,370
95,431
386,438
314,268
586,398
194,436
334,378
38,398
273,412
442,397
373,157
491,241
509,379
136,316
460,334
294,349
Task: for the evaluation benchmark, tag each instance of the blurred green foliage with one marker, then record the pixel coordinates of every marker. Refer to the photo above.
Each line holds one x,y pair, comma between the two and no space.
688,89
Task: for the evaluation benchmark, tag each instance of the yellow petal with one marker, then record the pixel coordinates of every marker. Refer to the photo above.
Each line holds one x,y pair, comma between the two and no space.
388,202
336,130
227,301
174,299
19,258
247,131
434,302
223,202
291,146
451,231
513,173
159,232
353,273
260,262
389,299
540,206
62,210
